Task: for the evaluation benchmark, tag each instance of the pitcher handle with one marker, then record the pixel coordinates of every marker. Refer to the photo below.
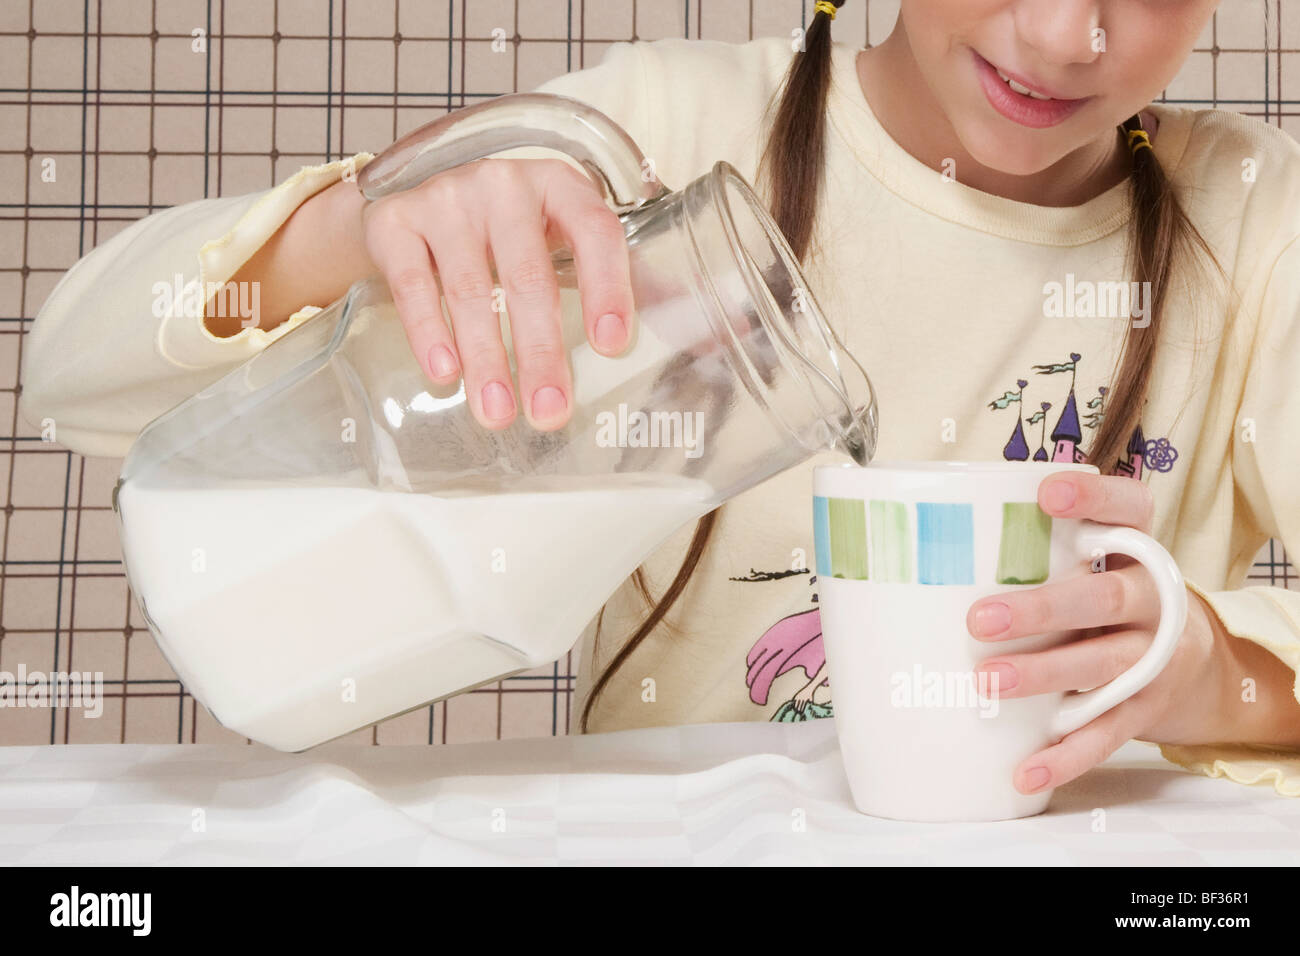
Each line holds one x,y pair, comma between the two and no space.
511,121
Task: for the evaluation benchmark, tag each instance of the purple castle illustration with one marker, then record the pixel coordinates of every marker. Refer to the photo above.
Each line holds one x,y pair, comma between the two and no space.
1017,449
1136,452
1041,416
1067,435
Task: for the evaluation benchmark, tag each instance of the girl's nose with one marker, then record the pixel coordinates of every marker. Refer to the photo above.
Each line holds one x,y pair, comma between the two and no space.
1061,32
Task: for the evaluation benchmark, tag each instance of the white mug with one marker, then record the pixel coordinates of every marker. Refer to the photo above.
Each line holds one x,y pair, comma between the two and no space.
903,550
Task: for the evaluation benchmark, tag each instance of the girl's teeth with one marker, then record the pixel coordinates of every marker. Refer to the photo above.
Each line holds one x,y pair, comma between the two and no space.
1022,90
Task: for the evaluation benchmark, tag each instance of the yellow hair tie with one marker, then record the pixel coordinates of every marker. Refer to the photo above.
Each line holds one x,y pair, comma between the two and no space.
824,6
1138,139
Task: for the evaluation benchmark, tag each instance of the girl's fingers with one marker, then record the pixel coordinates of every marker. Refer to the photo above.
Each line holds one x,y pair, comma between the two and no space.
523,262
445,231
600,253
1119,596
467,288
1086,747
1106,498
409,270
1079,665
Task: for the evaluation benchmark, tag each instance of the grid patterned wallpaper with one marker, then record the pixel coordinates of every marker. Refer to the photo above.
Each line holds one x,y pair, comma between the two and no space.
135,118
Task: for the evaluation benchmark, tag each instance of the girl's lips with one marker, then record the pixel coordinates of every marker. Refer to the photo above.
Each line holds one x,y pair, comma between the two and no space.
1025,110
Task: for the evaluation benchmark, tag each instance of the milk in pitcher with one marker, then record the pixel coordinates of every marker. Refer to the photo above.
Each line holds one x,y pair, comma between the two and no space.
297,614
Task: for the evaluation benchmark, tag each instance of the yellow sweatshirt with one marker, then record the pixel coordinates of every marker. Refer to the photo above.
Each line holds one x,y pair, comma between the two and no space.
972,314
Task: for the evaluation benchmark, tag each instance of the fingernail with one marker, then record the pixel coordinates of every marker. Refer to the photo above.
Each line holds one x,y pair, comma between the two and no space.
1036,779
610,332
441,362
548,402
999,677
992,619
1060,495
497,401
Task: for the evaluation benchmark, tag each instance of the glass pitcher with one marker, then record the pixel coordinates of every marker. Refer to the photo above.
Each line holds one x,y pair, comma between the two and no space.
323,538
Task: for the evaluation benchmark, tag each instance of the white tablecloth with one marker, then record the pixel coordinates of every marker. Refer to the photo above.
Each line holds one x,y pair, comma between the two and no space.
713,794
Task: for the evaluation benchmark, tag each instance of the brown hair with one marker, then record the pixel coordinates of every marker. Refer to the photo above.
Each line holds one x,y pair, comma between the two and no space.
794,158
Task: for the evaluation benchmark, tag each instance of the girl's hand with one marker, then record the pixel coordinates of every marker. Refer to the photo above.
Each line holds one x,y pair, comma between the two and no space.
1117,611
442,233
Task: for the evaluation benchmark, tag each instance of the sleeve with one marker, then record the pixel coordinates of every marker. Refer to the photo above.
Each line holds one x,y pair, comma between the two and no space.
1266,472
121,338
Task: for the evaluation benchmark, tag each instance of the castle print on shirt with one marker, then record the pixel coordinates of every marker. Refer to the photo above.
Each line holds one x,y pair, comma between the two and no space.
790,652
1067,435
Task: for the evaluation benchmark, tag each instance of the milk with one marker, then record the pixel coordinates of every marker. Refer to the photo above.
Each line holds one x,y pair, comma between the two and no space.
299,614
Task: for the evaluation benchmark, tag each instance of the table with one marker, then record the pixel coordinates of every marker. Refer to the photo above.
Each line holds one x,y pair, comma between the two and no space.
742,793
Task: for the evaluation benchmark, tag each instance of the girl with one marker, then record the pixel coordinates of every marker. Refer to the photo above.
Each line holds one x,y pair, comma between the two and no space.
999,224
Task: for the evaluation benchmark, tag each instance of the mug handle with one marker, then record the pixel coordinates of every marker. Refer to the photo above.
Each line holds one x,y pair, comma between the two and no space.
1079,709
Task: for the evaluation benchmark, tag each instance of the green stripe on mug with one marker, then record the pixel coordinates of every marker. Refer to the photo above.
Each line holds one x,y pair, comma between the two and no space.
848,526
1024,555
891,542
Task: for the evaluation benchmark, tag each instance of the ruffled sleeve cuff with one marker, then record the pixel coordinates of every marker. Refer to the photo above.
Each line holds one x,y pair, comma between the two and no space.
1267,616
184,339
1240,763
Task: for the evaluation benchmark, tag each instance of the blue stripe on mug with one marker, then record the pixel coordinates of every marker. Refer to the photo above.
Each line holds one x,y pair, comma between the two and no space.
945,543
822,535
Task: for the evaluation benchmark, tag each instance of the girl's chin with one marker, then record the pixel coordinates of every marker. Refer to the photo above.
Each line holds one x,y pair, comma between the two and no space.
1010,159
1002,165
